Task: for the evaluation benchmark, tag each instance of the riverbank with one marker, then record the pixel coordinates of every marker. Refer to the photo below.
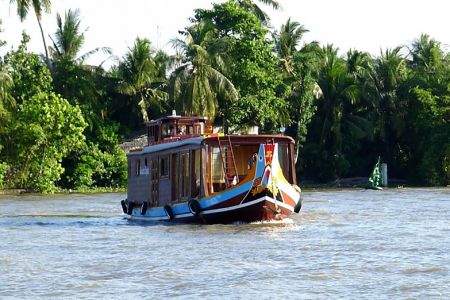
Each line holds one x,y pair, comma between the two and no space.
352,182
341,183
64,191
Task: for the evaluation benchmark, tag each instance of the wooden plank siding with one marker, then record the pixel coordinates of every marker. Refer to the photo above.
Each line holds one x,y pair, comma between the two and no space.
140,175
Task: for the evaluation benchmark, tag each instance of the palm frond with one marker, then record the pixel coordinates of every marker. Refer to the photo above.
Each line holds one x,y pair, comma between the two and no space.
105,50
23,7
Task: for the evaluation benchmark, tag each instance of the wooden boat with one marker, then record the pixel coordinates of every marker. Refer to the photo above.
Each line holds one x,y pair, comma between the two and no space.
186,175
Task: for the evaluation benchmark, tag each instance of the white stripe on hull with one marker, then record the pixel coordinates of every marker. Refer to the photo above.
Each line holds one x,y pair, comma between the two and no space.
235,207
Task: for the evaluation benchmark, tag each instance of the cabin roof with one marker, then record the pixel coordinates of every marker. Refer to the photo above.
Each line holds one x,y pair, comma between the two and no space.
240,139
168,145
175,117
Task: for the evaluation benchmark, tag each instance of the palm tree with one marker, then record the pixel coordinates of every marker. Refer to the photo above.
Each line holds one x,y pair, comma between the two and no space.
197,84
255,9
69,39
387,76
7,105
358,63
142,77
429,64
6,83
338,90
6,99
298,67
286,42
39,6
71,77
425,52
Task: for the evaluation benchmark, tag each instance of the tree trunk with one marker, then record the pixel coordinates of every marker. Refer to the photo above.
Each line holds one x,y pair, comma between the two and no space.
43,39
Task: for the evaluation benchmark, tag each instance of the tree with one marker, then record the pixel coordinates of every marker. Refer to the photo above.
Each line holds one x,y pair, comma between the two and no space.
196,85
96,162
46,126
298,67
6,99
69,39
335,124
250,6
141,78
252,68
338,89
76,81
286,42
47,129
6,105
429,112
358,64
99,163
387,78
39,6
426,54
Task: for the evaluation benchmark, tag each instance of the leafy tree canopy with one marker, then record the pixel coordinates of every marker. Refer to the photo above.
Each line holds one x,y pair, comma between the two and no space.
46,126
252,67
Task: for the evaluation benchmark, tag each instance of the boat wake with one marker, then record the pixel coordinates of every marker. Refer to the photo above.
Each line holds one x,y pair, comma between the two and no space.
283,222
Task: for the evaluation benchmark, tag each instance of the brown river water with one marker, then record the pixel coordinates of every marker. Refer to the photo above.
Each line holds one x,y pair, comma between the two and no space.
345,244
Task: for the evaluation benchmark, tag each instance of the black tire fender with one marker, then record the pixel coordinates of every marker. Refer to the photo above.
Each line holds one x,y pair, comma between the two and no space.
169,211
130,208
298,206
144,207
194,206
124,206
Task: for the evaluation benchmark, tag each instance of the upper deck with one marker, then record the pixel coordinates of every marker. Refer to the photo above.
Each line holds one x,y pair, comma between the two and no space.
176,131
174,127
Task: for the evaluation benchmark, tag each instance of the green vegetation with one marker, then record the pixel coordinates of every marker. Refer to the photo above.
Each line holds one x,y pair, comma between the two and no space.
61,121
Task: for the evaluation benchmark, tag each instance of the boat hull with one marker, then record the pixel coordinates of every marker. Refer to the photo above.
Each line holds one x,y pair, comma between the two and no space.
246,208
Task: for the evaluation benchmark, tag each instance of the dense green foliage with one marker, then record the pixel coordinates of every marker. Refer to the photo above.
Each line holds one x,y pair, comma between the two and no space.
61,121
42,129
251,66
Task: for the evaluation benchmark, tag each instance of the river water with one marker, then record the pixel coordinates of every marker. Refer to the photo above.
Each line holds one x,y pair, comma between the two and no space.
345,244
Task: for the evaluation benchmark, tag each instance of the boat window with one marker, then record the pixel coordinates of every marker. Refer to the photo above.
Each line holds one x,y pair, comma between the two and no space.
175,176
154,182
166,130
184,175
195,182
181,130
244,158
217,174
164,166
151,134
198,129
284,160
206,170
138,167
